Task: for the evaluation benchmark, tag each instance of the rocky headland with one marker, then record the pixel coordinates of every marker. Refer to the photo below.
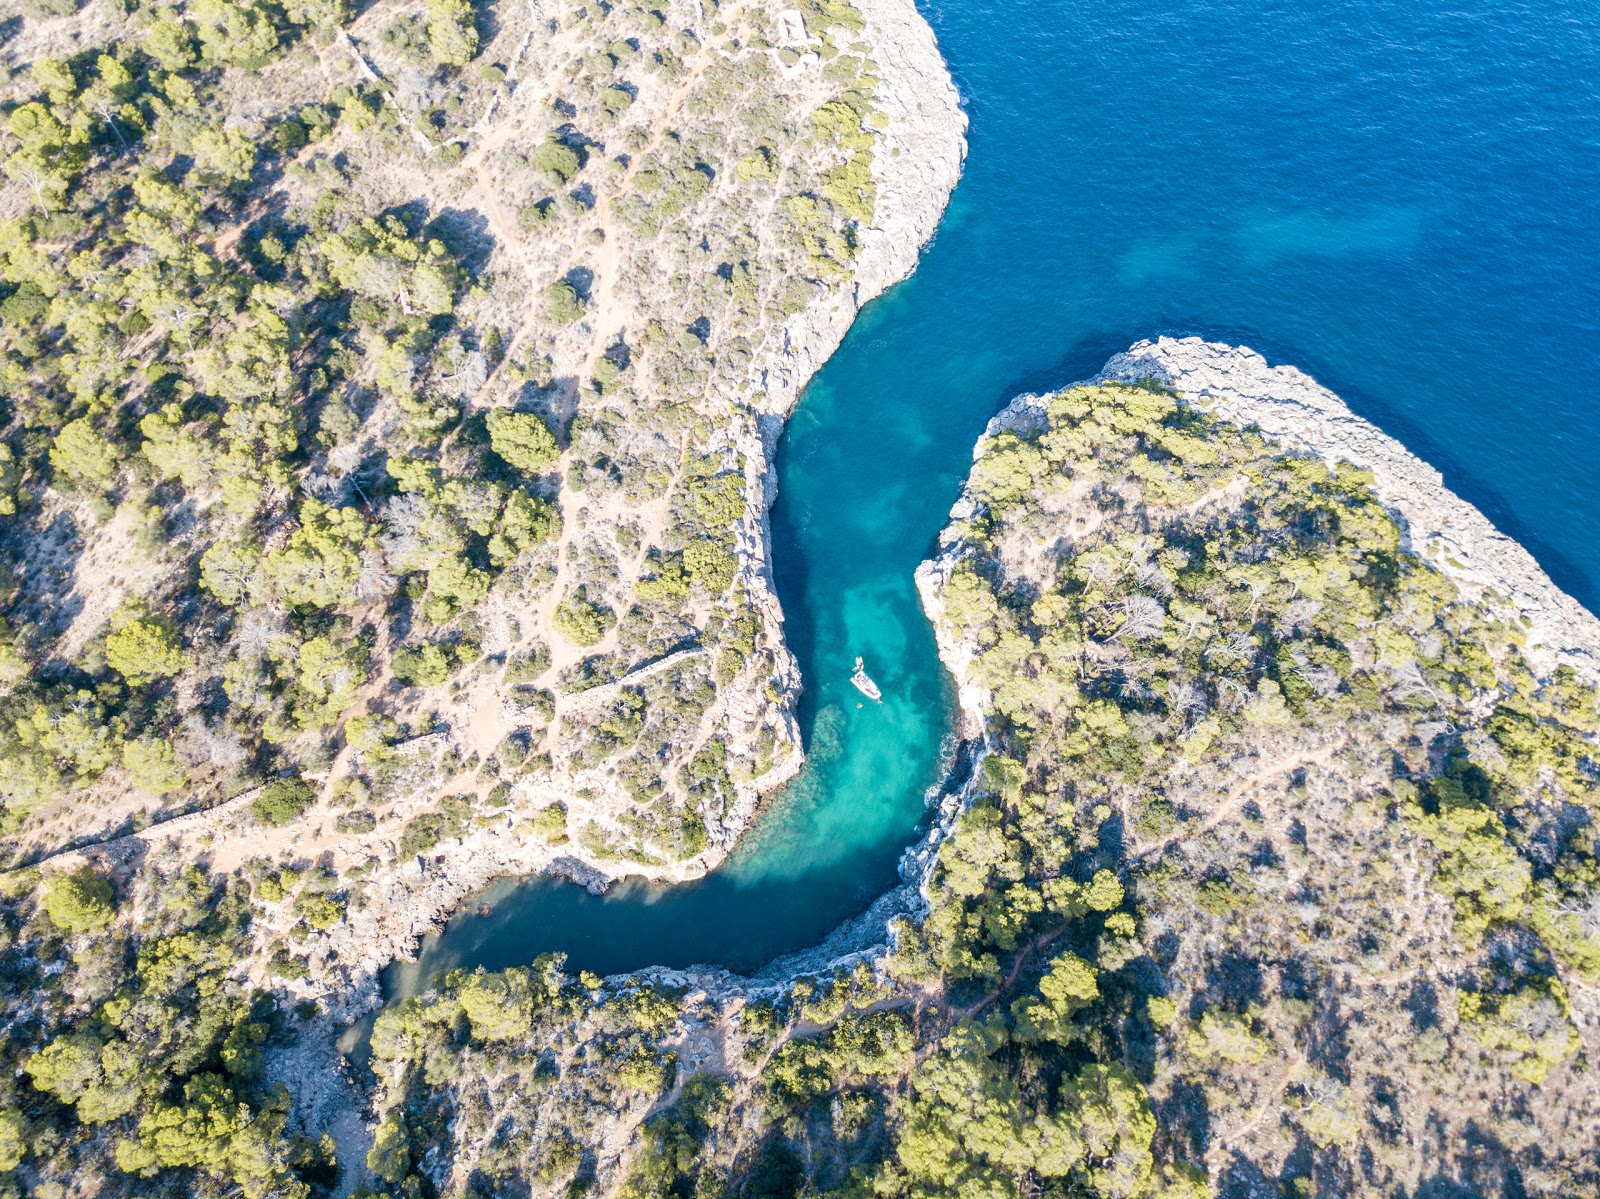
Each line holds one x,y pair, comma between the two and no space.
1237,384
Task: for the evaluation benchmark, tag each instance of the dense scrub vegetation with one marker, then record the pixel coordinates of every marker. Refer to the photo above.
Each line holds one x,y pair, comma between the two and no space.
379,468
1275,874
321,472
143,1055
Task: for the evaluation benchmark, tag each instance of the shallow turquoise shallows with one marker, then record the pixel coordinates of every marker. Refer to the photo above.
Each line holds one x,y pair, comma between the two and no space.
1401,198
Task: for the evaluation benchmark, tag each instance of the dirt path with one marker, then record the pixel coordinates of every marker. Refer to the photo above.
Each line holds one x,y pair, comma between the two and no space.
1234,800
1272,1103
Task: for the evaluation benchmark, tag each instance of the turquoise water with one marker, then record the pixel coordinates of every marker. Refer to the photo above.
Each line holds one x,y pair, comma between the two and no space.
1403,200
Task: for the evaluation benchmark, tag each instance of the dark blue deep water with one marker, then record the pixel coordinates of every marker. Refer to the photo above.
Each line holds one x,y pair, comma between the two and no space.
1401,198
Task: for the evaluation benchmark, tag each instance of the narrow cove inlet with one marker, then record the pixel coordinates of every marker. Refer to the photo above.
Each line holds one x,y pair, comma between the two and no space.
1309,183
761,599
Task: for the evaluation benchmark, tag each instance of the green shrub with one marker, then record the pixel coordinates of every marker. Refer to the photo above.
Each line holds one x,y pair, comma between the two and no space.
535,216
275,888
320,911
282,800
556,161
526,667
142,651
522,439
79,902
711,564
551,823
421,665
1230,1037
422,834
758,166
1532,1027
512,750
358,821
154,765
563,301
452,32
581,622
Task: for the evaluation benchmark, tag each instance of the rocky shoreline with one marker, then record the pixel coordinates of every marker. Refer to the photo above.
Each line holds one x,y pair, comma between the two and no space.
1236,383
1233,382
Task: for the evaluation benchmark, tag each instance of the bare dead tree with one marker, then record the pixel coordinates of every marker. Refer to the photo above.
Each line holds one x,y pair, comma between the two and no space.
34,180
219,748
1187,700
103,110
255,631
373,579
1150,575
1142,616
1410,684
1132,687
1231,694
1296,619
1097,568
403,519
1323,680
1238,647
1585,909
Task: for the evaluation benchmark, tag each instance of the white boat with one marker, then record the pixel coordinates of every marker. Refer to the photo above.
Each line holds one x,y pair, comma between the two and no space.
864,684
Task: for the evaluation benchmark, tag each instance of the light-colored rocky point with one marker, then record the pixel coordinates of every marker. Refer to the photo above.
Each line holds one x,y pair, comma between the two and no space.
1238,384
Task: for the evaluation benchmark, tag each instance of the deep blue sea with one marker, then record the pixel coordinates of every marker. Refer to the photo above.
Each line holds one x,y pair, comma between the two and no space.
1401,198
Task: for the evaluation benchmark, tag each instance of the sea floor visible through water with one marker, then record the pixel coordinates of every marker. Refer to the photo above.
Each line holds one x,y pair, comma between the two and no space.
1402,200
